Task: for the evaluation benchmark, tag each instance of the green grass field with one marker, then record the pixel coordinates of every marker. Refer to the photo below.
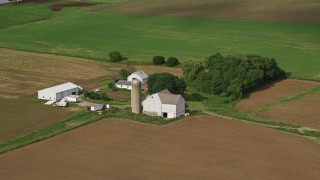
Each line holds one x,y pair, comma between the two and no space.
77,32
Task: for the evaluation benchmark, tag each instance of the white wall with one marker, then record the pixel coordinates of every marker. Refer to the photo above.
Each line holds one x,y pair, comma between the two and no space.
170,109
123,87
48,95
152,105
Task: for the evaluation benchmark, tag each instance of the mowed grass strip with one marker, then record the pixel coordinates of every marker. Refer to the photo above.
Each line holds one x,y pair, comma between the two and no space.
288,100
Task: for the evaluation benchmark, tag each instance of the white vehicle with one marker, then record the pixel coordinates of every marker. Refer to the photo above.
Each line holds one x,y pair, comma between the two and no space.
72,98
62,103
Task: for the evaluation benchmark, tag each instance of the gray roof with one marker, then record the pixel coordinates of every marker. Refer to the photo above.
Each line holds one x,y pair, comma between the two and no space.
167,98
142,74
61,87
123,82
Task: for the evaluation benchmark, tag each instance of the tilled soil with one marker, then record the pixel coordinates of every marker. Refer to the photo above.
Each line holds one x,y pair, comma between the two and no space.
273,93
203,147
305,112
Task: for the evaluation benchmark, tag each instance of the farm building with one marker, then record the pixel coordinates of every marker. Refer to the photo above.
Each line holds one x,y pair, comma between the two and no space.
139,75
164,104
123,84
97,107
56,93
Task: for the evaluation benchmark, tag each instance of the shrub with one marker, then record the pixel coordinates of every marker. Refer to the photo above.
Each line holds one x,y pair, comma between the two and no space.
158,60
124,73
96,95
111,85
115,56
172,61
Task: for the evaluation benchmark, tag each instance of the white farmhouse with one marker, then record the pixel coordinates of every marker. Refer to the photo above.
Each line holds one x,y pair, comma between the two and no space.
56,93
164,104
139,75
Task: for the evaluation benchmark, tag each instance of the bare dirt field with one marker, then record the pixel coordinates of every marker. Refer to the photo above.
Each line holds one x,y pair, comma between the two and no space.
275,10
23,73
304,112
157,69
22,116
273,93
204,147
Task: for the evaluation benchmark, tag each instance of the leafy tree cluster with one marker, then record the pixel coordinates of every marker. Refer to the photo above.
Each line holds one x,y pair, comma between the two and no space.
115,56
232,76
171,61
124,73
161,81
96,95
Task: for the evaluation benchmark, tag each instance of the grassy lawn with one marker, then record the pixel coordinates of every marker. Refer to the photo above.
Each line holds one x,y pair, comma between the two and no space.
80,33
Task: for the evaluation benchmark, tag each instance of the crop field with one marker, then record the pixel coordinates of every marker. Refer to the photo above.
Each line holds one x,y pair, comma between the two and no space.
195,148
93,34
290,101
275,10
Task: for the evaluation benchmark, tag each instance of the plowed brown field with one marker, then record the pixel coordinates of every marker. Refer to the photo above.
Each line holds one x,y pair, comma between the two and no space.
204,147
273,93
304,112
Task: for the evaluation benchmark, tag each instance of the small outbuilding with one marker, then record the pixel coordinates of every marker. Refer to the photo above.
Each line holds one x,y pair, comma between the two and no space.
164,104
123,84
56,93
97,107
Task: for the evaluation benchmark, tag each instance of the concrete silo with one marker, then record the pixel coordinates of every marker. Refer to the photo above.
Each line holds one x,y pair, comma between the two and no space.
136,96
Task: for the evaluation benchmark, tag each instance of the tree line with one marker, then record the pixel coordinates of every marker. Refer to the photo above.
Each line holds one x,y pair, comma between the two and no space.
232,76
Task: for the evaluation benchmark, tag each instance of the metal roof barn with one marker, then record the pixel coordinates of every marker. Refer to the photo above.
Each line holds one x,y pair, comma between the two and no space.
56,93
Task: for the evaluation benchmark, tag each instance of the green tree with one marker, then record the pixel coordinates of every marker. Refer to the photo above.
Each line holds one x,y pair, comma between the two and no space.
161,81
172,61
115,56
124,73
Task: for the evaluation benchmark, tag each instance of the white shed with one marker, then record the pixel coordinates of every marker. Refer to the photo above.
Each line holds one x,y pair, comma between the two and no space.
164,104
56,93
96,107
123,84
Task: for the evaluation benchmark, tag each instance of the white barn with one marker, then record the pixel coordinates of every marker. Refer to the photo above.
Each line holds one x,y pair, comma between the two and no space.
164,104
56,93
